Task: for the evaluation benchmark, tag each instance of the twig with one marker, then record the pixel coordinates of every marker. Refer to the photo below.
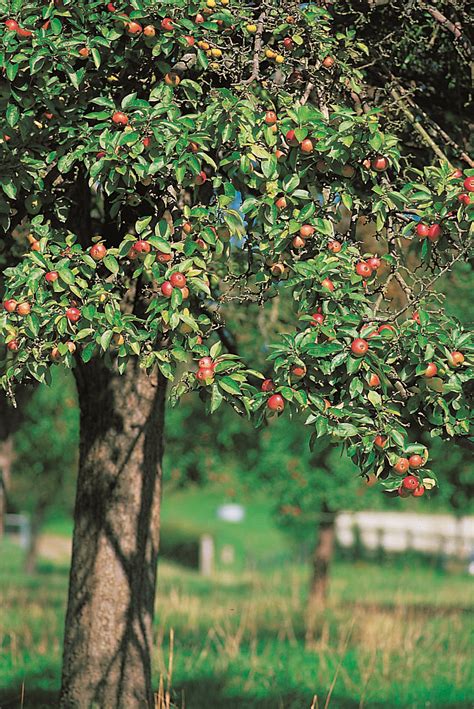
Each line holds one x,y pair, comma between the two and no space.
417,126
446,23
255,75
307,93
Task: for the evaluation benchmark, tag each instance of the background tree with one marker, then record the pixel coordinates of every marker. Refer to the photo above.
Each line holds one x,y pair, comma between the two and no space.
123,190
45,448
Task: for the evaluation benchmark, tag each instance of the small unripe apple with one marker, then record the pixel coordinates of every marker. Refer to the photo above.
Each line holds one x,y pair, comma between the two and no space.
172,79
317,319
298,242
133,28
206,363
374,262
12,25
201,178
142,247
277,269
205,376
149,31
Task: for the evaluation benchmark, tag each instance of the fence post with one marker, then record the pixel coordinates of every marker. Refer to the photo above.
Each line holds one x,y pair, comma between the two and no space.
206,555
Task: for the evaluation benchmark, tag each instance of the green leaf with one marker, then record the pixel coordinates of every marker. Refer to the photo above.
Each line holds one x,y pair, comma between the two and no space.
229,385
111,263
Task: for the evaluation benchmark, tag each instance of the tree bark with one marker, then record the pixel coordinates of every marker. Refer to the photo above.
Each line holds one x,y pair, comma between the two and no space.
321,563
37,519
6,460
108,634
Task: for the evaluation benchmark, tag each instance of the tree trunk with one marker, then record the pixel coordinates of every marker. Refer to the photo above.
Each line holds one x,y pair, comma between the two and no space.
108,634
6,460
37,519
322,558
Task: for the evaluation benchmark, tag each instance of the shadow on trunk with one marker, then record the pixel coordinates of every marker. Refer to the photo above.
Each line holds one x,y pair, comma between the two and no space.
108,635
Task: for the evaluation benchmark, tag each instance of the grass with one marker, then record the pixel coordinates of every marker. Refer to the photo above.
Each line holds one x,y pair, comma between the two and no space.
393,635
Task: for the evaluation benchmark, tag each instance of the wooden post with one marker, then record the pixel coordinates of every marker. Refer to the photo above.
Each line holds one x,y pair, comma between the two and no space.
206,555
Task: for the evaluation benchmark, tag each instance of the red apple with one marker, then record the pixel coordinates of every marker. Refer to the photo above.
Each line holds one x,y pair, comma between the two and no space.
334,246
327,283
363,269
119,118
469,184
270,118
380,441
267,385
98,252
178,280
167,289
415,461
52,276
307,146
401,466
73,314
291,138
379,163
419,492
276,403
434,232
359,347
23,308
410,483
167,24
431,370
422,230
10,305
374,381
306,231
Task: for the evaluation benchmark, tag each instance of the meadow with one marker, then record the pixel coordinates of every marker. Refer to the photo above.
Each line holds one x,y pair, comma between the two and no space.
396,633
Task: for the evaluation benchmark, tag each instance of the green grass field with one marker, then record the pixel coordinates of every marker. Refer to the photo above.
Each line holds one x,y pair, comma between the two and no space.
393,635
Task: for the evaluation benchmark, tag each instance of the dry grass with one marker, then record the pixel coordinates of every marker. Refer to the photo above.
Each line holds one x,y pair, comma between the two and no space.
391,637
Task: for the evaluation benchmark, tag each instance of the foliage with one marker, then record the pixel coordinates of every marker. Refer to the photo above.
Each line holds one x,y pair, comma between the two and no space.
46,449
144,128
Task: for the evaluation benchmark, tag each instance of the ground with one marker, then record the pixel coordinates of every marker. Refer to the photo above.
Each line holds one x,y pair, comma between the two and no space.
395,634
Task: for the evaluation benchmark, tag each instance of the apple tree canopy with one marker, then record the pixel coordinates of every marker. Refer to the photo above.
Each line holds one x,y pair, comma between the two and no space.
163,160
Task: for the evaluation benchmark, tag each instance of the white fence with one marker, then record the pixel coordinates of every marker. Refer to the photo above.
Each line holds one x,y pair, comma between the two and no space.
400,531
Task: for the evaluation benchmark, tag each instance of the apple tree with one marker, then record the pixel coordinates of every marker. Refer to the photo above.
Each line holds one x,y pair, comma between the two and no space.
131,132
